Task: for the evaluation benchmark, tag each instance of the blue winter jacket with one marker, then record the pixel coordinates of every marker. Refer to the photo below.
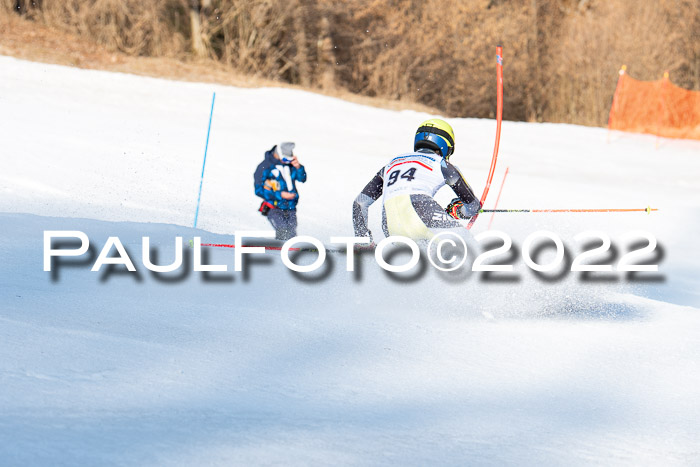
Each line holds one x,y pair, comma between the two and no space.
279,177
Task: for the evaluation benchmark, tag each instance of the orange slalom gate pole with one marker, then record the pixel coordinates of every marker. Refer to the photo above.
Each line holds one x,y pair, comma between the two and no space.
498,197
499,119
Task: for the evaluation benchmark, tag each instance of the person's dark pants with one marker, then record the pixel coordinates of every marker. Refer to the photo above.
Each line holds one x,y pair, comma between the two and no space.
284,221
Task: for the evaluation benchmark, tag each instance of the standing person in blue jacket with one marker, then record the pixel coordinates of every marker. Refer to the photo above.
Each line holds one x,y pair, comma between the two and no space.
275,180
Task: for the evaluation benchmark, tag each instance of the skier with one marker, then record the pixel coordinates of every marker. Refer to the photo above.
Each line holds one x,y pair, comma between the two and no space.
275,183
409,183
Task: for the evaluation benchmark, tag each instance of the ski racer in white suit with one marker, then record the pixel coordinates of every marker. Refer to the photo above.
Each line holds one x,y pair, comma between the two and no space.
409,183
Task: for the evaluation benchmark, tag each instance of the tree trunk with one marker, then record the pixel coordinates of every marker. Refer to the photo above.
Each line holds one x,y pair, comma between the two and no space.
326,55
199,45
532,98
302,55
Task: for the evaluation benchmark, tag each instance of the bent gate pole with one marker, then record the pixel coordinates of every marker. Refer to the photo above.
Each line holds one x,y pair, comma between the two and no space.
498,198
499,118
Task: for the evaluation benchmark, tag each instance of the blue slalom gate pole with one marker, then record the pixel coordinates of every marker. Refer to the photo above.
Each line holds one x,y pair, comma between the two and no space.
206,146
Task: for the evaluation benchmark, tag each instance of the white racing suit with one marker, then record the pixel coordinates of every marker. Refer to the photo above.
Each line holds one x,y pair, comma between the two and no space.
408,184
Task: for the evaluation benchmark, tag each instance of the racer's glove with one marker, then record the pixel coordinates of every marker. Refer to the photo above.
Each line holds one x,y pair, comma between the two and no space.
459,210
455,209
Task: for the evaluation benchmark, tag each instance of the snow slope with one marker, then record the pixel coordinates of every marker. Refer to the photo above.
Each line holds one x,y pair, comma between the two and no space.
272,367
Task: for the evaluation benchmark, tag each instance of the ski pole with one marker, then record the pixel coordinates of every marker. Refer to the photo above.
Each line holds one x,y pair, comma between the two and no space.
206,146
648,210
277,248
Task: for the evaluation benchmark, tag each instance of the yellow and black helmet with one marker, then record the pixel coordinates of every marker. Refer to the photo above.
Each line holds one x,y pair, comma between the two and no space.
437,135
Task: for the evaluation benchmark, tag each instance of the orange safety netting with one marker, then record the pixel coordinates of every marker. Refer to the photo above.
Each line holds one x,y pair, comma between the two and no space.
657,107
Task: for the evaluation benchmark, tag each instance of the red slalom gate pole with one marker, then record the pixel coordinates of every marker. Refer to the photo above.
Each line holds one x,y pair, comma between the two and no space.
498,198
499,118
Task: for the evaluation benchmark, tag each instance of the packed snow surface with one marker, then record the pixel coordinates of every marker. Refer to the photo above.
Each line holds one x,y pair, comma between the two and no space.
332,367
